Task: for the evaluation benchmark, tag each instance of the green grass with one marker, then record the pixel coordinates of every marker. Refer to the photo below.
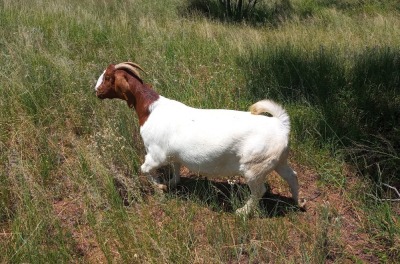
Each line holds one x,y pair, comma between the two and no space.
70,184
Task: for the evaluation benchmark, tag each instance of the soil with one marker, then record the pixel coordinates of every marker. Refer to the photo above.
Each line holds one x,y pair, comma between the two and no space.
70,213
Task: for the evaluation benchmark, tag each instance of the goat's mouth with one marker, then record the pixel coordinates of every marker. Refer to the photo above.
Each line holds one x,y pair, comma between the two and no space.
100,95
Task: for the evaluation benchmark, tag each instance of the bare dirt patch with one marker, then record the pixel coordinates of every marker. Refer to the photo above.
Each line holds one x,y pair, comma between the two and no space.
352,241
70,213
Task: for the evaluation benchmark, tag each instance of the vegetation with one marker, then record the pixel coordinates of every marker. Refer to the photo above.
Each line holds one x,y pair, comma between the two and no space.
70,185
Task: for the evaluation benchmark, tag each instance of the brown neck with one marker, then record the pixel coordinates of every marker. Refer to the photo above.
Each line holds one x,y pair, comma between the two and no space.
141,96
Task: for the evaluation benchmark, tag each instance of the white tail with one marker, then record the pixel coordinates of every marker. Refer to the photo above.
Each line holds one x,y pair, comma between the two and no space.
276,110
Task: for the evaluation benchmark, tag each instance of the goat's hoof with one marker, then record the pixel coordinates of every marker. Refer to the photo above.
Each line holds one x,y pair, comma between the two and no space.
243,212
302,204
161,187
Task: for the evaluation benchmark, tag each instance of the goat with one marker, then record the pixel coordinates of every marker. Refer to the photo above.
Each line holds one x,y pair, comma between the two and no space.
211,142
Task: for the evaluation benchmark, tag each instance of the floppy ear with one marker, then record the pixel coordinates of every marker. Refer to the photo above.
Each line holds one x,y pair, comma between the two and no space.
122,88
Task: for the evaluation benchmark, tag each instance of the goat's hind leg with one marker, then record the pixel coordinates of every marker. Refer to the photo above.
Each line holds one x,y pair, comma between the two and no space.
290,176
257,189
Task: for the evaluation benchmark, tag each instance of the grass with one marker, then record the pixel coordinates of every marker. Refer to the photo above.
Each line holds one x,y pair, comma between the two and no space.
70,184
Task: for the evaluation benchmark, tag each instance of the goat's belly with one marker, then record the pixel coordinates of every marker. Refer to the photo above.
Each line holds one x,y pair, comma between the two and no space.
212,166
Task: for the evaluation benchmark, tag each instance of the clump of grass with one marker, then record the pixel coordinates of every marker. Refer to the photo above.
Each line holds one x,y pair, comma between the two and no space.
290,74
355,99
253,12
382,223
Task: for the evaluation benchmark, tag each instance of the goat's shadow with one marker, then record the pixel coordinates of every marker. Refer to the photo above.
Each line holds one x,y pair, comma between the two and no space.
227,197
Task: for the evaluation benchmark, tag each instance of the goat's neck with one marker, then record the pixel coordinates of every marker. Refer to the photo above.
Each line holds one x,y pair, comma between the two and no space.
141,96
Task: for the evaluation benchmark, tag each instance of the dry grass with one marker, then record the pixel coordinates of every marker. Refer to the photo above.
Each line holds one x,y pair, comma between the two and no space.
70,185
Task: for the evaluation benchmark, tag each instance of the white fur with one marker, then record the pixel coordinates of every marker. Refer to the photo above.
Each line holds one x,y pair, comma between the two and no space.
99,81
219,143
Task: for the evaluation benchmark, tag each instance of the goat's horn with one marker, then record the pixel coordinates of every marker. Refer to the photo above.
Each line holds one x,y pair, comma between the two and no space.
132,67
136,66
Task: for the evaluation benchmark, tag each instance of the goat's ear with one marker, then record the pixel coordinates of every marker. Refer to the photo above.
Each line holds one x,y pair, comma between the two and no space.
122,88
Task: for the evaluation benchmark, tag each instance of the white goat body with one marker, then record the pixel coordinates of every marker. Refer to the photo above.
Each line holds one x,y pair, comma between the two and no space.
219,143
211,142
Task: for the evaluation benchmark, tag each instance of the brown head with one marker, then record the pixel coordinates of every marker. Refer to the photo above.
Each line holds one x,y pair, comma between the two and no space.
113,82
123,81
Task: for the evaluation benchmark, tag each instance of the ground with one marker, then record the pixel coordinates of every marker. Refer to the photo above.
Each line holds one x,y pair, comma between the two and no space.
352,241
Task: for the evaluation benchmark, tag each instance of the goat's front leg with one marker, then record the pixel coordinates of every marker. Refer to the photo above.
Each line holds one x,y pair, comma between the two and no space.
148,167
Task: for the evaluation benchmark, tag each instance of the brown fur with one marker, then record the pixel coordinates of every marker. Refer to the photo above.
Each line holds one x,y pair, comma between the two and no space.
126,86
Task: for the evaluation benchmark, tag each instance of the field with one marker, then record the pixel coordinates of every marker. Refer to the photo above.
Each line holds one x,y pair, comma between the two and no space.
71,190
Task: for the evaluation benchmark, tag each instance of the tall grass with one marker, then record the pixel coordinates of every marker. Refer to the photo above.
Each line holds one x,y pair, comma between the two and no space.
356,95
70,185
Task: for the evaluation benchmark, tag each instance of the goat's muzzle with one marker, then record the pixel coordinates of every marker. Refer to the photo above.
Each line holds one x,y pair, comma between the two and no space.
100,95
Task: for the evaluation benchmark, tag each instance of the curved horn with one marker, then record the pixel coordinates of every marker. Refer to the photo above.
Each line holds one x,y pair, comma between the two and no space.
131,67
135,65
